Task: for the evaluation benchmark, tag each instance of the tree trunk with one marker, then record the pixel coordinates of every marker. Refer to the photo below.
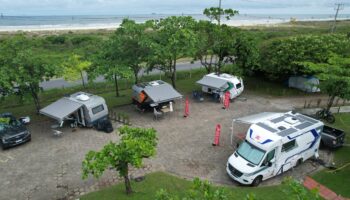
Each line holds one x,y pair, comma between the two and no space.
330,103
116,85
36,99
173,76
82,79
136,77
128,188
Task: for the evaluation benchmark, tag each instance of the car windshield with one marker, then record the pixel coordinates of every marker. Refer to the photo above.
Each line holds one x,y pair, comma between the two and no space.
251,153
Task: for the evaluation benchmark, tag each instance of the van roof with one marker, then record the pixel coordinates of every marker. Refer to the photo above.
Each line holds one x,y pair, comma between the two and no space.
285,126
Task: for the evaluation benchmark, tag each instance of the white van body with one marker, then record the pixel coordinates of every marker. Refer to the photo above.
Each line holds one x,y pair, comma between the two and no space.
273,145
220,83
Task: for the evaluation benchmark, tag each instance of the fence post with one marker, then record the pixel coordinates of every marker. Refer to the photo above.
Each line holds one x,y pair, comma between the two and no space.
305,103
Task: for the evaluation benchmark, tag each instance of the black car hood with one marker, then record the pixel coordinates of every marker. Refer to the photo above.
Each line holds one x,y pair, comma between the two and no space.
14,130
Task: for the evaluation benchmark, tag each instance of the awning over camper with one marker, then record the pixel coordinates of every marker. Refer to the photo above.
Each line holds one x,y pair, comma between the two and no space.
61,109
162,93
212,82
256,118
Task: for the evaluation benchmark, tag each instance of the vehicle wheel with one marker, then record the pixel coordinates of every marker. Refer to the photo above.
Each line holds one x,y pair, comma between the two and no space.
257,181
298,162
318,114
330,119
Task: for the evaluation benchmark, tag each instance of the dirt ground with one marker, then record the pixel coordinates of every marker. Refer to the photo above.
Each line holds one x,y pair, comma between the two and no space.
49,167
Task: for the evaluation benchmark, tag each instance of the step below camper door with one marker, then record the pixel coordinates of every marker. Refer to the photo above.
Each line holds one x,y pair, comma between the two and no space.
80,117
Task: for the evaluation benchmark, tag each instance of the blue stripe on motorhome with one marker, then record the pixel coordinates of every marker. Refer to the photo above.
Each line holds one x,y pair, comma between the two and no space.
316,136
266,141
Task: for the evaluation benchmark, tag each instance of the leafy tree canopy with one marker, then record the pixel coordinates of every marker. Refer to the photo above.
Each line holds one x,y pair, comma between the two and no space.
134,145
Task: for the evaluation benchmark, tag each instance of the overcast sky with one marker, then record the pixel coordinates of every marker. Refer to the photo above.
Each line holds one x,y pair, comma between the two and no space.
116,7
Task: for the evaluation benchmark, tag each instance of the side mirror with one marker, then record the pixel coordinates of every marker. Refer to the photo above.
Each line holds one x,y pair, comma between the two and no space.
24,120
273,160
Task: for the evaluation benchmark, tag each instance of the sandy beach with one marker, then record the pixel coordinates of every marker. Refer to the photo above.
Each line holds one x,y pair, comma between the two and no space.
112,26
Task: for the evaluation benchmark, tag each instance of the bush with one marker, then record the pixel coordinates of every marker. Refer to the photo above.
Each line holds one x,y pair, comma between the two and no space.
59,39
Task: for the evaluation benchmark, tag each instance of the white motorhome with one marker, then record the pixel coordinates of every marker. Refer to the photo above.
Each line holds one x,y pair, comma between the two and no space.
274,143
80,108
218,84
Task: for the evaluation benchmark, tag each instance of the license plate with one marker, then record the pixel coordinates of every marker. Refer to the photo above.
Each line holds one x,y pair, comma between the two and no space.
18,141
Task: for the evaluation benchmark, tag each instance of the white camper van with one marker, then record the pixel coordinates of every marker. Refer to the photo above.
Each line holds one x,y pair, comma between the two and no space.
80,108
275,142
218,84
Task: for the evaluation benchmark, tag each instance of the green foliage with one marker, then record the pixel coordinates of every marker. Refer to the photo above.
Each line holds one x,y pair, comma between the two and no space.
296,191
74,67
135,144
56,39
335,76
174,38
280,57
131,44
4,120
215,13
201,190
246,52
21,66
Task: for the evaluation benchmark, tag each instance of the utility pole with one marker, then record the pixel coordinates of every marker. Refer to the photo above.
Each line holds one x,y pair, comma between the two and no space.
338,7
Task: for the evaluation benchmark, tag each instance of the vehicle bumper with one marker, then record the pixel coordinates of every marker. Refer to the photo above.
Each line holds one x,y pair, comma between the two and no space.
25,139
242,180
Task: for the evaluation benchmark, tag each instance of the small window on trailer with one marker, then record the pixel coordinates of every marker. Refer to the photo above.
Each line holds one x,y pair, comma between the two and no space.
288,146
97,109
238,85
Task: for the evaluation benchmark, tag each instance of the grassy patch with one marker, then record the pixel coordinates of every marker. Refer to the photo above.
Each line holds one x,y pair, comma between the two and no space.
147,189
339,181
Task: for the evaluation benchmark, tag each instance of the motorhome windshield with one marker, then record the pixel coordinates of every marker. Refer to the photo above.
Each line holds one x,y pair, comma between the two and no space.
251,153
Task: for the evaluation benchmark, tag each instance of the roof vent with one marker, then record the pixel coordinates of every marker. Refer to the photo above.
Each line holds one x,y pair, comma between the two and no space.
83,97
154,83
291,120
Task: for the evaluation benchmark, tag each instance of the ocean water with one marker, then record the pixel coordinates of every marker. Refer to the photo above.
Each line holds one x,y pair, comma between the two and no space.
14,23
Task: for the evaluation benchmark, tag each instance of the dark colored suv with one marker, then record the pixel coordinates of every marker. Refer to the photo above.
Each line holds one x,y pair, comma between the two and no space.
12,131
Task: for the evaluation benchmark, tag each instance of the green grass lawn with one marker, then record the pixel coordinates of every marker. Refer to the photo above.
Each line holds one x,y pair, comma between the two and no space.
147,189
339,181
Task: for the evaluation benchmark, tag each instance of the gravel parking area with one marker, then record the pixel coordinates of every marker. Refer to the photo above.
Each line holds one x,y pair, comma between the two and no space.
49,167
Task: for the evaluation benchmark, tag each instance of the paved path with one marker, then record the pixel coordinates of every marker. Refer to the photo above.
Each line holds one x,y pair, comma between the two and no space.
325,192
61,83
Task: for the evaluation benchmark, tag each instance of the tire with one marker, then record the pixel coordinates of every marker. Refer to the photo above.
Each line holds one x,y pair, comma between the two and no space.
257,181
330,119
319,114
299,162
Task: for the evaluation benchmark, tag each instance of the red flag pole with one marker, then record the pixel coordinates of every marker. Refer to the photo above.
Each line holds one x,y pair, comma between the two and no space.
187,109
217,135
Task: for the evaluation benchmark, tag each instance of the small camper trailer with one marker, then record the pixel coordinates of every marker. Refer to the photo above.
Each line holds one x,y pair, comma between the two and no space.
153,94
80,108
218,84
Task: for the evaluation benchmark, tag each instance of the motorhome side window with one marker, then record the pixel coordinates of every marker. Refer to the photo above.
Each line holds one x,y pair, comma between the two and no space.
288,146
97,109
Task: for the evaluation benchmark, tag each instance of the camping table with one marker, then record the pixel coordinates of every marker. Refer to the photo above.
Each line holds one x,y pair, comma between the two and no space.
165,110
